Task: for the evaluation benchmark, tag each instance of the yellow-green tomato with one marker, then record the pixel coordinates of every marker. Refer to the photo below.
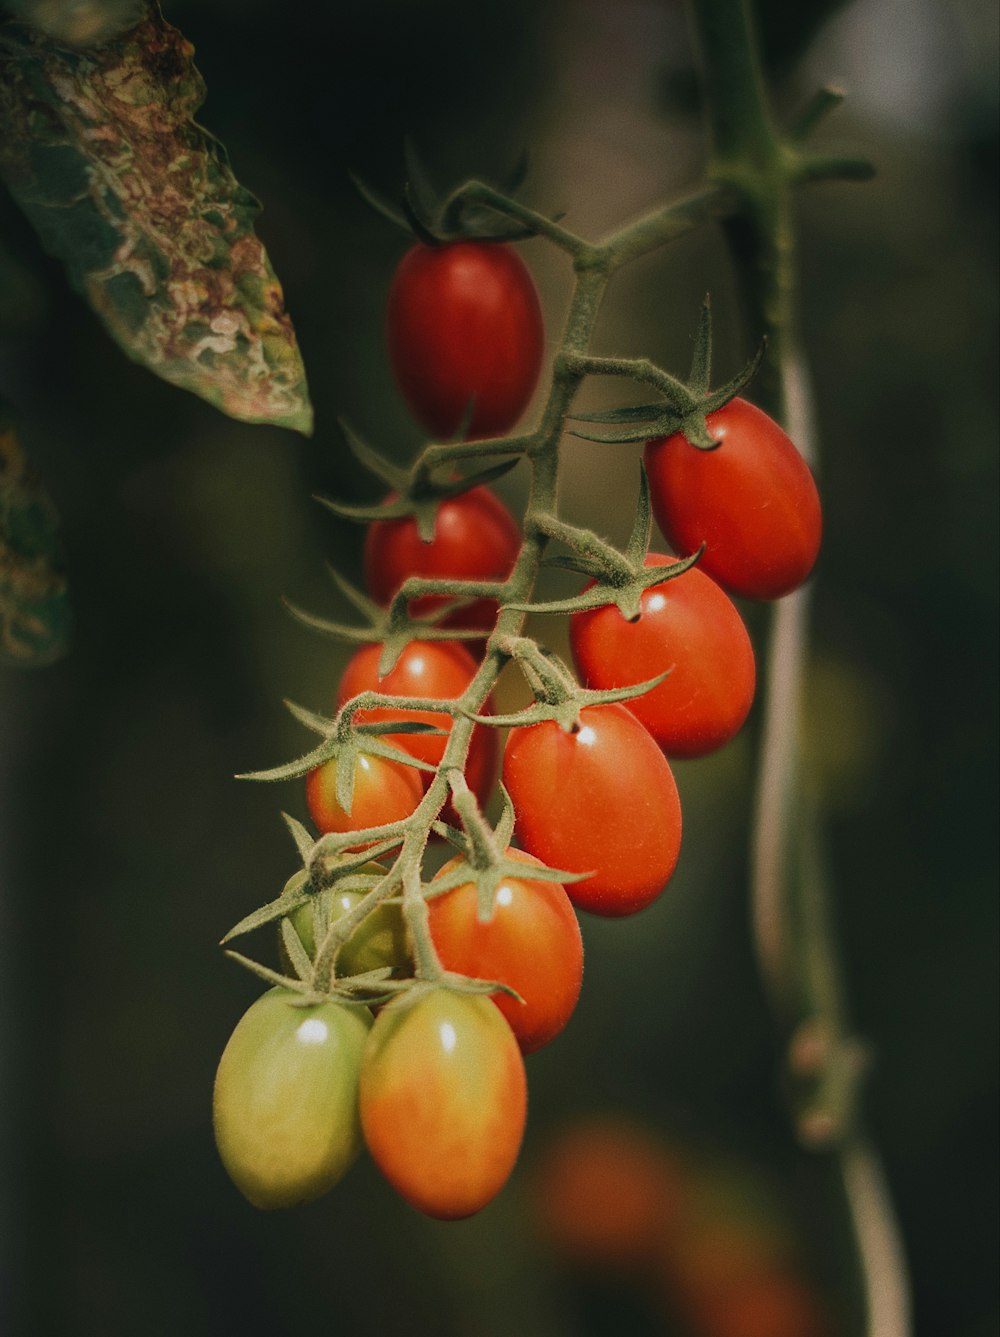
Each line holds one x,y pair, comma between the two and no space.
286,1098
443,1100
379,940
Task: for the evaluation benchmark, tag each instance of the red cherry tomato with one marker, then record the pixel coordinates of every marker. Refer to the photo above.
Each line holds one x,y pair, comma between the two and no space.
464,330
532,943
609,1195
689,626
475,538
384,791
439,669
752,501
601,799
443,1100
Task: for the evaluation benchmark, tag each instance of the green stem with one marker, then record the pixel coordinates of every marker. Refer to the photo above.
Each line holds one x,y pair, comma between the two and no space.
739,119
880,1248
791,914
478,192
674,391
663,225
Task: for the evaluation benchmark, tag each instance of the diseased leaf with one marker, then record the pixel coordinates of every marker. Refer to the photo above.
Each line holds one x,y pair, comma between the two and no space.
100,149
78,22
34,605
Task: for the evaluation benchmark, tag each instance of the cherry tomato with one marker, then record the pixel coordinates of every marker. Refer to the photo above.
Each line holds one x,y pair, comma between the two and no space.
752,501
609,1195
464,330
286,1098
475,538
532,943
775,1304
689,626
384,791
439,669
379,940
443,1100
600,798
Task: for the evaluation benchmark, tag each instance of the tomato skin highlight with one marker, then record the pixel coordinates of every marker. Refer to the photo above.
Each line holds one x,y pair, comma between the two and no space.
752,501
285,1104
443,1100
439,669
475,538
689,626
464,329
532,943
384,791
602,800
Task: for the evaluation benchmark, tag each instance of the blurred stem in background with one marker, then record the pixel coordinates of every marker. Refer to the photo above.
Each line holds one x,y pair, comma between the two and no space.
791,916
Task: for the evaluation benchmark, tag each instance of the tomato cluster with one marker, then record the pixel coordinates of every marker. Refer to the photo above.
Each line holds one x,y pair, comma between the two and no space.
434,1085
434,1082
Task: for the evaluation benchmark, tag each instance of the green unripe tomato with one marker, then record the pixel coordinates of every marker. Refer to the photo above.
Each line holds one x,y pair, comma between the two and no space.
285,1106
379,940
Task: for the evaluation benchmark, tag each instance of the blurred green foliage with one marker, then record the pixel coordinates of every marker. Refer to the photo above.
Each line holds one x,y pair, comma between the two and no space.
126,849
34,602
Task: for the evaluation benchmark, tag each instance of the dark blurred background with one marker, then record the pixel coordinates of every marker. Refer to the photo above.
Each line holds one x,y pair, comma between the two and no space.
126,848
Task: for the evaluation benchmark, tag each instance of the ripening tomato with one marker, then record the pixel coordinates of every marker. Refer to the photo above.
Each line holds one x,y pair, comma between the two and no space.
379,940
438,669
384,791
443,1100
752,501
475,538
532,943
464,330
601,798
608,1195
777,1304
689,626
285,1106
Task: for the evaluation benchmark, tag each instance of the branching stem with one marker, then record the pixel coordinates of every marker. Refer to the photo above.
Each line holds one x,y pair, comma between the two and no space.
751,174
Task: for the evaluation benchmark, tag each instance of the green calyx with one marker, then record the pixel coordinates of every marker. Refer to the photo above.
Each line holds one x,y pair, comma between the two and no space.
483,852
619,577
394,627
685,404
558,696
343,740
349,923
413,492
437,219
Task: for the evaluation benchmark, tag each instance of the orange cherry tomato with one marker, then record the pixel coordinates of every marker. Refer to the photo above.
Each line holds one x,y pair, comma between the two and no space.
532,943
384,791
443,1100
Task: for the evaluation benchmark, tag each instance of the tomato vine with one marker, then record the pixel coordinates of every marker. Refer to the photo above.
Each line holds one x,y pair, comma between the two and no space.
753,169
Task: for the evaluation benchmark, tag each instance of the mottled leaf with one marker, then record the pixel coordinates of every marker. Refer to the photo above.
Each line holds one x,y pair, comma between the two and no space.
100,149
34,605
78,22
